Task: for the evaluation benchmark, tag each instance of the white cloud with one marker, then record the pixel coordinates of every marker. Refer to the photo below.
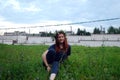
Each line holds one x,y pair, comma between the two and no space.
32,8
1,18
4,23
7,24
18,6
52,1
28,11
11,3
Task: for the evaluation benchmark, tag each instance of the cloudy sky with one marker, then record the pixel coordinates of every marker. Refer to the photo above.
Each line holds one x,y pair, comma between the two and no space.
27,13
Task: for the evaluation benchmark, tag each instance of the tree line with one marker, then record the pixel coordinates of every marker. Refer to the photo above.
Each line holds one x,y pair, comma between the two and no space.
110,30
101,30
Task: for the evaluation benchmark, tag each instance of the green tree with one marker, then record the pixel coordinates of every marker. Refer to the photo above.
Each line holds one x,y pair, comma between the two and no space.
96,31
82,32
78,31
119,30
111,30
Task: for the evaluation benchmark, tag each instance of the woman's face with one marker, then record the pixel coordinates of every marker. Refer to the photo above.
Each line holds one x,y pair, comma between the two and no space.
61,38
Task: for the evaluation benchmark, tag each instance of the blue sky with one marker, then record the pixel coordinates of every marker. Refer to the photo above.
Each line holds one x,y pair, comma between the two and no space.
26,13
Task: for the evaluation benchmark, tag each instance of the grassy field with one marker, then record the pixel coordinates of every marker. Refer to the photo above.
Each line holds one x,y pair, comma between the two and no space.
20,62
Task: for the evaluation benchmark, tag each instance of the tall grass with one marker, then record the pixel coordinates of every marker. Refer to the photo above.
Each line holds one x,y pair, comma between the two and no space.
20,62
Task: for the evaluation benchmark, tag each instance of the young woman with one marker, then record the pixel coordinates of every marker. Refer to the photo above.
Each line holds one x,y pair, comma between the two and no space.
56,53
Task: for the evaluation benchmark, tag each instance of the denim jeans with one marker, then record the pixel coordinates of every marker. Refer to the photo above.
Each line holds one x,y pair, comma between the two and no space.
55,67
54,59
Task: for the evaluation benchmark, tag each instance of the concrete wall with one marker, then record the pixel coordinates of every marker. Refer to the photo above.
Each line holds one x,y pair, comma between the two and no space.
93,40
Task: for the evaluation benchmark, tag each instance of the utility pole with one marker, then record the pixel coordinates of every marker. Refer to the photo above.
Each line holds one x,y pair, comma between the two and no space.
71,29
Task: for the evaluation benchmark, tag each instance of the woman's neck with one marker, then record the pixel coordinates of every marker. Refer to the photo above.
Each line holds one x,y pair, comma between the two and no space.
61,46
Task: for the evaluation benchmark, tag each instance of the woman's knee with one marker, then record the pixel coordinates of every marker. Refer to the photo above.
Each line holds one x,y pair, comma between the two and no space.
50,56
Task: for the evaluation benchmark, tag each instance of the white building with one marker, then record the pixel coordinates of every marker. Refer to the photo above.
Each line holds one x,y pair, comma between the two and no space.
16,33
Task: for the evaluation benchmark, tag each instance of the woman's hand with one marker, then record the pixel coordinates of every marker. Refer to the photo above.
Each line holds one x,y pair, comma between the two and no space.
48,68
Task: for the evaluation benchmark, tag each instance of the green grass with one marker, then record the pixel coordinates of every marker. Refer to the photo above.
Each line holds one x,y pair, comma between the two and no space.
20,62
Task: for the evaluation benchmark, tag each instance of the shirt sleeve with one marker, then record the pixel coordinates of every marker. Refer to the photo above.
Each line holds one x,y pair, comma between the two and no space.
51,47
69,50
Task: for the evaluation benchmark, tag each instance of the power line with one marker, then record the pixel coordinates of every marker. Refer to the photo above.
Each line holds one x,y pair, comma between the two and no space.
102,20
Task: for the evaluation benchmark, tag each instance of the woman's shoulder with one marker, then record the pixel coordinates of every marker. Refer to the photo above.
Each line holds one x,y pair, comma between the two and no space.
52,46
69,45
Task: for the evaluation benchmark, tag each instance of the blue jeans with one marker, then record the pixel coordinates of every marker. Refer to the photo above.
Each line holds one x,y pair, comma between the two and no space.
54,59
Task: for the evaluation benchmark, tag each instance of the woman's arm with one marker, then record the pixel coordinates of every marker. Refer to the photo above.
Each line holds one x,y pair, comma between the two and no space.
45,60
69,51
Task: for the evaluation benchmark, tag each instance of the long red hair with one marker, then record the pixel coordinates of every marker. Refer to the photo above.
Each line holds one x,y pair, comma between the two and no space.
65,43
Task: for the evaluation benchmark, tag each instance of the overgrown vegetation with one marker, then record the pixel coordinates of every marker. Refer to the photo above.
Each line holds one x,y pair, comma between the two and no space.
20,62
